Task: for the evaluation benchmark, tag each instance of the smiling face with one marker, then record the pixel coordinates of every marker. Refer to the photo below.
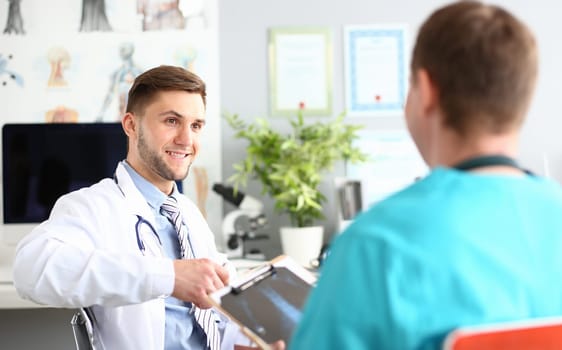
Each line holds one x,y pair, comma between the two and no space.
164,140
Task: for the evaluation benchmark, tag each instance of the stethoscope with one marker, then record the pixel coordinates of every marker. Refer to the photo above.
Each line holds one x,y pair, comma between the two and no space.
141,243
138,228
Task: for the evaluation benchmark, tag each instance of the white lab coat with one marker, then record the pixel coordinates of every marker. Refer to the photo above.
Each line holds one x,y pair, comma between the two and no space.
86,255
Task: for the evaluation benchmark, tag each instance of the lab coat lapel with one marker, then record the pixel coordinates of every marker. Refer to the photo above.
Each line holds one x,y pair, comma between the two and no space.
134,199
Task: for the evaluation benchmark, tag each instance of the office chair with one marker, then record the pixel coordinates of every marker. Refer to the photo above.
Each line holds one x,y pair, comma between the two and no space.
532,334
83,329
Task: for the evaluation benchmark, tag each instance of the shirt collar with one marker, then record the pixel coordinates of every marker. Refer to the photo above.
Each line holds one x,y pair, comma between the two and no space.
154,197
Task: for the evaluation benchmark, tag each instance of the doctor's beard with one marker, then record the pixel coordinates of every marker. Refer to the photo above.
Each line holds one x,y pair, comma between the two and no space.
155,161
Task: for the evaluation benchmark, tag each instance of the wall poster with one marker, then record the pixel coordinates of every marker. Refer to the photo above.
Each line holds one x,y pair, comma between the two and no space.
74,61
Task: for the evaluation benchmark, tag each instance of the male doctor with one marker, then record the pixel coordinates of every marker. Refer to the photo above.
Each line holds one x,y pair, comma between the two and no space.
112,248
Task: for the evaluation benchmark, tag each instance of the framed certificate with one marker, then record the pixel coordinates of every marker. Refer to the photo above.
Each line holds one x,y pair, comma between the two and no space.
300,71
375,70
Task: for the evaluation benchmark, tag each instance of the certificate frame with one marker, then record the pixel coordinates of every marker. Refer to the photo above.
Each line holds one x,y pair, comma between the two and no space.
375,69
300,71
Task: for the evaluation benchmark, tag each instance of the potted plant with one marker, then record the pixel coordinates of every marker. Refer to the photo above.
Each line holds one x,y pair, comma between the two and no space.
290,166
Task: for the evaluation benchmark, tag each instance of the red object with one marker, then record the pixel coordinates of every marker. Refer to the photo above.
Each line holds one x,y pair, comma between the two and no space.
543,334
301,105
378,98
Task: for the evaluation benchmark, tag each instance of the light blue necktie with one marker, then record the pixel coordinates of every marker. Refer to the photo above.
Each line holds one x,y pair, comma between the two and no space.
205,318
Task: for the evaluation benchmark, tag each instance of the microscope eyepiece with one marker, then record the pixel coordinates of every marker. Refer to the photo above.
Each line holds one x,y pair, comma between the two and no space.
228,194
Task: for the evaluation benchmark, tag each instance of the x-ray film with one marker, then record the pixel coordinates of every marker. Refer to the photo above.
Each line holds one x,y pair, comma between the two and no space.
268,302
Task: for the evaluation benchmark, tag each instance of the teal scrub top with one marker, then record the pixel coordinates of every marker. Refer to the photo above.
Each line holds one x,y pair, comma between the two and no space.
455,248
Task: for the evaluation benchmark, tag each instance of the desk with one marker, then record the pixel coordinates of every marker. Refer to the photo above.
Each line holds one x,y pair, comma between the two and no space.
9,298
242,265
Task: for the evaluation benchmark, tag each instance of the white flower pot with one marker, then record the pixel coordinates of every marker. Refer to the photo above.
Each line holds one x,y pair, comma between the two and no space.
303,244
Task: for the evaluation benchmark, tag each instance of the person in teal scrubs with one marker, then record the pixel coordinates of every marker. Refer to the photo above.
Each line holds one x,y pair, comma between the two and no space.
478,239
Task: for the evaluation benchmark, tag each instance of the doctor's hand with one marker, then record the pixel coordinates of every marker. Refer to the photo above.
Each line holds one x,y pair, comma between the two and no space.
196,278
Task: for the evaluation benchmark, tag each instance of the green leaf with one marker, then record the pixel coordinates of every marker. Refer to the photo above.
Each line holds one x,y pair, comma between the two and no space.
290,167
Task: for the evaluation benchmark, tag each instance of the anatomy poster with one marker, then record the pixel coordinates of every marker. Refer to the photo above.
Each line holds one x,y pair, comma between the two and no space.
75,60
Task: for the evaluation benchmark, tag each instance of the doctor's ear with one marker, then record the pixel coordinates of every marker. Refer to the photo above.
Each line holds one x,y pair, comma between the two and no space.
129,123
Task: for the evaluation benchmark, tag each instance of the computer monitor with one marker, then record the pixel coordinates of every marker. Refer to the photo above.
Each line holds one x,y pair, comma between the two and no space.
41,162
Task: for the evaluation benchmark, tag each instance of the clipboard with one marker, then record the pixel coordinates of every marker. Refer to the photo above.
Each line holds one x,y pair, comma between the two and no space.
267,301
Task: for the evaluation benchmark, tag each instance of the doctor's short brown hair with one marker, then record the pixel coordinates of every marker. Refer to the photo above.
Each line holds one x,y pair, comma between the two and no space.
483,61
163,78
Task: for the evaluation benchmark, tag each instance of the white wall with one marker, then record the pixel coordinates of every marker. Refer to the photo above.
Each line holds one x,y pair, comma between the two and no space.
244,78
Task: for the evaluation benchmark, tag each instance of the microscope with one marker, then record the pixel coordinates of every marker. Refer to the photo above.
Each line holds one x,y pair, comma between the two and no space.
234,236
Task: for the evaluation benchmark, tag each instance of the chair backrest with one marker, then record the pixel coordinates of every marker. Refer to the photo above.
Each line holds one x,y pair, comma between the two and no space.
534,334
83,329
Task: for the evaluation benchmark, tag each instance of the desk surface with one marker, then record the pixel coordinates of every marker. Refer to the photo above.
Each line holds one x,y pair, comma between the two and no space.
9,298
242,265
